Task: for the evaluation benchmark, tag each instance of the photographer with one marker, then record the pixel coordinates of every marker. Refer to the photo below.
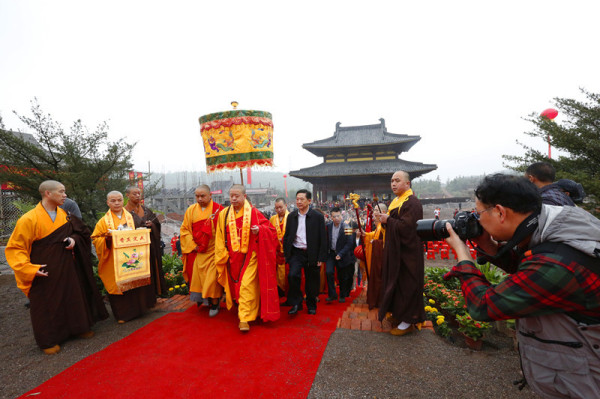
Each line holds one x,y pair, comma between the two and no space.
554,288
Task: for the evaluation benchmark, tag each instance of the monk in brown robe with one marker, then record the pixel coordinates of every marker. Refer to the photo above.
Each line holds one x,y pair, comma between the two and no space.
129,304
144,217
374,256
403,266
50,254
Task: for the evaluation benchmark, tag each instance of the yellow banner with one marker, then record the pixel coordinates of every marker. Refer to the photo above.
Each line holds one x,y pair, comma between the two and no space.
131,253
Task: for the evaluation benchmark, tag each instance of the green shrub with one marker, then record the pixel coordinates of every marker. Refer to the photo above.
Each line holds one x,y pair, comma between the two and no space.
172,263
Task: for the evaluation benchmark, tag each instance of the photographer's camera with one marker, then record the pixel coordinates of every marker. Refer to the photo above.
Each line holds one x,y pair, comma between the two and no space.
465,224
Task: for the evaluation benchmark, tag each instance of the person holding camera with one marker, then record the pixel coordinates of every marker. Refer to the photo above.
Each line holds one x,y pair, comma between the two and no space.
553,289
403,266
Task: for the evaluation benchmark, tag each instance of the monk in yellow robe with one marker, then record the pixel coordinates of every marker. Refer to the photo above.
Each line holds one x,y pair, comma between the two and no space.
373,242
144,217
50,254
198,247
279,221
245,248
132,303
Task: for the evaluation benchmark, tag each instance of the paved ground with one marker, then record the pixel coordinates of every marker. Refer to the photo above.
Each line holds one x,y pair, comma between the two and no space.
364,364
356,364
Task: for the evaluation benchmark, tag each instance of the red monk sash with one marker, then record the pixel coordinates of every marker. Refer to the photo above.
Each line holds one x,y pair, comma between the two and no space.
265,245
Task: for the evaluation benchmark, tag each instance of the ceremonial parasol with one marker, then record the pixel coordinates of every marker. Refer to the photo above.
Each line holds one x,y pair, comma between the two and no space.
237,139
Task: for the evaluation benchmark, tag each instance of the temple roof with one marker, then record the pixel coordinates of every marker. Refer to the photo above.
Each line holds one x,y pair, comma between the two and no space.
363,168
366,136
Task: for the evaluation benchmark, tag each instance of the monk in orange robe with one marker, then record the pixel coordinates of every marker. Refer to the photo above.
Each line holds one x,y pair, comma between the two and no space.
245,248
198,247
279,221
50,254
132,303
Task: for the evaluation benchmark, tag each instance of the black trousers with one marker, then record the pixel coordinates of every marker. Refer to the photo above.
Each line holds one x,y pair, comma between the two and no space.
299,261
345,273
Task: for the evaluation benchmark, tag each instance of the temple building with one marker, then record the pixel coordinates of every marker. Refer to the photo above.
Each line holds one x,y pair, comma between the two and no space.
359,159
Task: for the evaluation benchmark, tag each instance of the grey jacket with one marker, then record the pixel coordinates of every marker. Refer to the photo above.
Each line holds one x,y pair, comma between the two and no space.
561,357
570,225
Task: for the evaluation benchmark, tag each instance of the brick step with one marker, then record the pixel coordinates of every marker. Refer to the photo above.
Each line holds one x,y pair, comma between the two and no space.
177,303
358,317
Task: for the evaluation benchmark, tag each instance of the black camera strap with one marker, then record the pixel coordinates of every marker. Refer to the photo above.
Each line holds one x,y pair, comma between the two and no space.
524,229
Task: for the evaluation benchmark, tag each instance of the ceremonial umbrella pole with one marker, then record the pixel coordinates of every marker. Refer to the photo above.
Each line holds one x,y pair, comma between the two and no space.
359,251
237,139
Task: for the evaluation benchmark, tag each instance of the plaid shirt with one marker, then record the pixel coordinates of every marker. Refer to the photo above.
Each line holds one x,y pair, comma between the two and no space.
543,284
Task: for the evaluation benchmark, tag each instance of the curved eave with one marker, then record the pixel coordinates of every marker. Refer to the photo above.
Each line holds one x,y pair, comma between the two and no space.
363,168
399,147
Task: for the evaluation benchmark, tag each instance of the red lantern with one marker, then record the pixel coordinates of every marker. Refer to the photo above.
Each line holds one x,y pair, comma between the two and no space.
359,252
549,113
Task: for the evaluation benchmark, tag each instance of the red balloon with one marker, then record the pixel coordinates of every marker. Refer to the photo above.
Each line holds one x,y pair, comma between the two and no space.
284,176
549,113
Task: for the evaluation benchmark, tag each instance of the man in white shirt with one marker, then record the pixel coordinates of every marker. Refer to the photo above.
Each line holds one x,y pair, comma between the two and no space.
305,247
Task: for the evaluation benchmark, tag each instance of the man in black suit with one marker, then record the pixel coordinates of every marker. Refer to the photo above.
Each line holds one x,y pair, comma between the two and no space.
340,256
305,247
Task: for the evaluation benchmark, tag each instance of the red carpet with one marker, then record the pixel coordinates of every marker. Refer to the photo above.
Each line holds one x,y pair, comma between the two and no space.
189,355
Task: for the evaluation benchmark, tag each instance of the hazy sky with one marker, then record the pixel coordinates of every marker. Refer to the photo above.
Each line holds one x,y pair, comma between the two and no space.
461,74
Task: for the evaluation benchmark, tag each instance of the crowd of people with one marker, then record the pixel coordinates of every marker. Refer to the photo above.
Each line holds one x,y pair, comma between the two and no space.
531,228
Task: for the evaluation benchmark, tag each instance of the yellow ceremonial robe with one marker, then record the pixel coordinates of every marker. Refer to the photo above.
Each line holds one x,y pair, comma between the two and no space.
106,269
280,229
34,225
204,276
249,293
379,233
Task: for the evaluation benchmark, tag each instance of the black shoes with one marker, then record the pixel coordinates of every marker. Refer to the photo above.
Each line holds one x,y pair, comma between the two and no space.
312,311
295,309
330,299
342,300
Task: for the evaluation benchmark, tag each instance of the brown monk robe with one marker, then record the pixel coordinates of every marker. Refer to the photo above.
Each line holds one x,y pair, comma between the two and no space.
144,217
51,257
403,264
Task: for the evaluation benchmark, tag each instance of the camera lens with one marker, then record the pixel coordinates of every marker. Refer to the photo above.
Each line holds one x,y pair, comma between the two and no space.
432,229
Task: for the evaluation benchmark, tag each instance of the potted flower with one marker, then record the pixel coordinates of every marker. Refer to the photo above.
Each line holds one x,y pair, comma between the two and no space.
473,330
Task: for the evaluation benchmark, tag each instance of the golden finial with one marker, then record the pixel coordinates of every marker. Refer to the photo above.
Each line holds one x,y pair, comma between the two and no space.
234,104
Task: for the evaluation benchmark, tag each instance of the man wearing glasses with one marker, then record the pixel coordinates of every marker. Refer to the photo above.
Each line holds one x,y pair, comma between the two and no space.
552,253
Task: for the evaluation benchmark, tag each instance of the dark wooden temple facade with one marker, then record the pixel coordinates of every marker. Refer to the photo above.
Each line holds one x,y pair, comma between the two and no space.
359,159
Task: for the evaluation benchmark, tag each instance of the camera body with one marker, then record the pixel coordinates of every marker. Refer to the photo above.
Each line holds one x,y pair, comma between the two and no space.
465,224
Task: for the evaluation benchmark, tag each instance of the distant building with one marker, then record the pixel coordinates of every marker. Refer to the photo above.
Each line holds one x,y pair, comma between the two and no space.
177,201
359,159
